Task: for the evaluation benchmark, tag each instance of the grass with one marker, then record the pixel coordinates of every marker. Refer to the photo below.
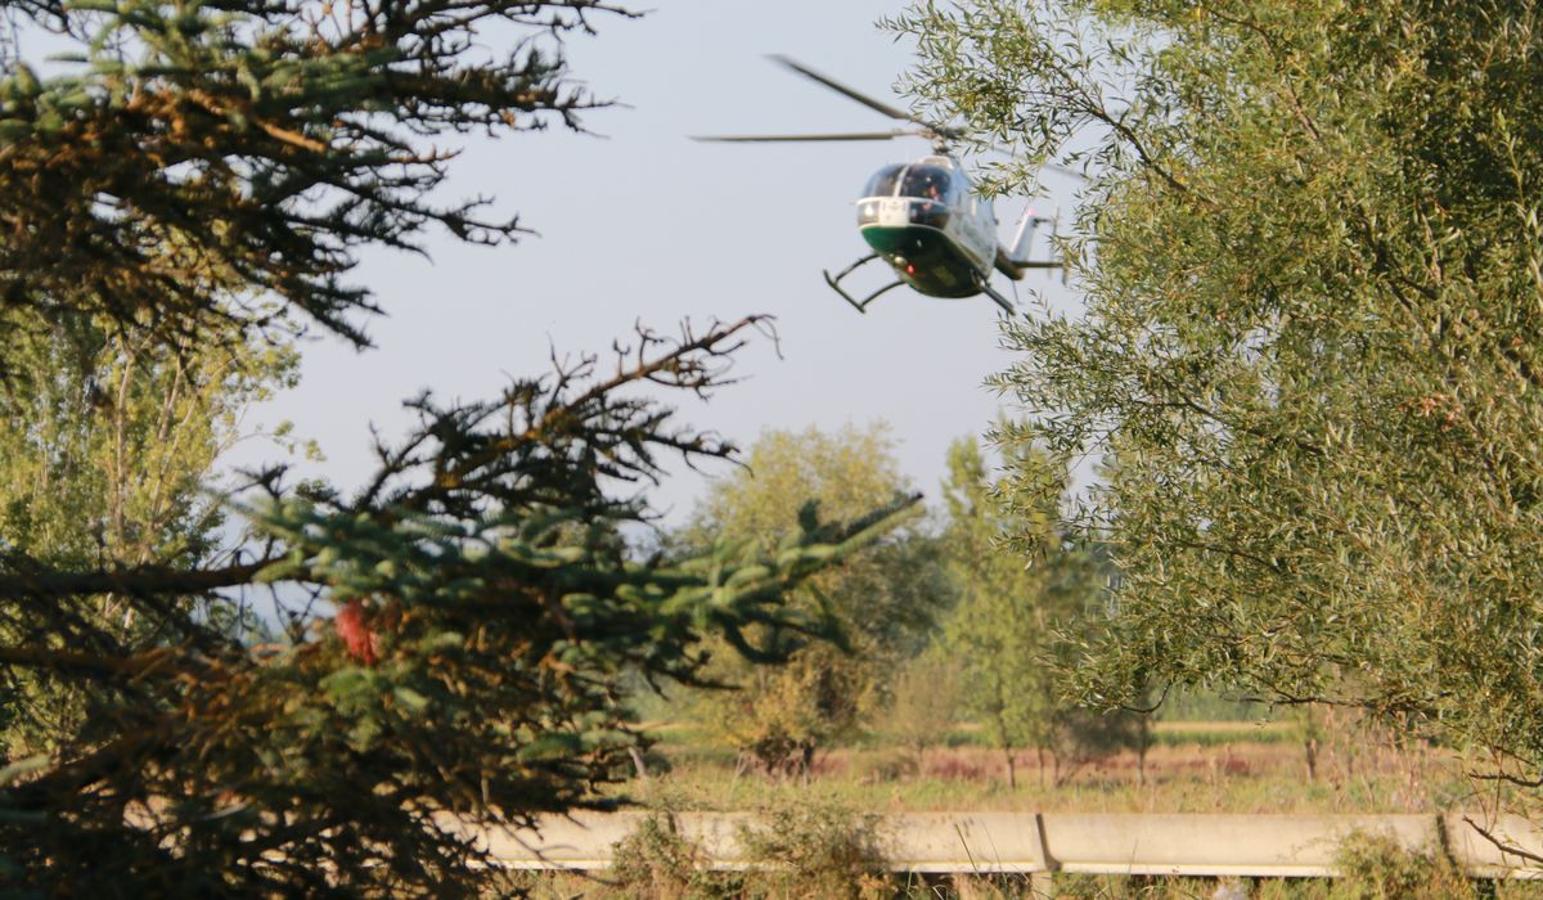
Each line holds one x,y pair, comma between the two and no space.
1193,767
1392,880
1237,767
1210,734
690,741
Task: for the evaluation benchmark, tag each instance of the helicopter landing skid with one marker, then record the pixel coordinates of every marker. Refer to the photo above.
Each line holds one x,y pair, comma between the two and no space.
859,305
989,291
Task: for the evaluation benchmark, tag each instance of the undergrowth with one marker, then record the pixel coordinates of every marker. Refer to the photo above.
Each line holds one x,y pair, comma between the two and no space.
823,849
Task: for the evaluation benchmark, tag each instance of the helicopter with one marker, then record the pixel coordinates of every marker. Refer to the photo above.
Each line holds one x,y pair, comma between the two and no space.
923,218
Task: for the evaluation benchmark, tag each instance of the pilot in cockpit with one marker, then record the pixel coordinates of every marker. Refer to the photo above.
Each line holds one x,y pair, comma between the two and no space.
927,185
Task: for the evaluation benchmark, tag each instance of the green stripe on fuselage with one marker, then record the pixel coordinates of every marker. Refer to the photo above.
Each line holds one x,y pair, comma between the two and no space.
937,268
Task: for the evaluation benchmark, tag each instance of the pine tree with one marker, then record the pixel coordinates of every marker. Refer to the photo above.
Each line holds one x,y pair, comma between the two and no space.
458,627
268,140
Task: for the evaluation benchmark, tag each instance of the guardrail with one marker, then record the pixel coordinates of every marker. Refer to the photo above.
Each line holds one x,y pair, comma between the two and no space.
1211,845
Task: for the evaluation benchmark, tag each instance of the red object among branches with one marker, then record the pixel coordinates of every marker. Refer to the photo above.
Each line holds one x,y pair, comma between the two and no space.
353,627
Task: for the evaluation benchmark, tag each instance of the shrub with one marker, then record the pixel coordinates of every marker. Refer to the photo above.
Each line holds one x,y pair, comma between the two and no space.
1376,867
656,861
1082,736
810,848
886,766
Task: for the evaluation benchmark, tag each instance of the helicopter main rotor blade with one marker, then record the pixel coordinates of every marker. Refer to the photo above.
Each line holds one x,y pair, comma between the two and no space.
1065,170
768,138
864,99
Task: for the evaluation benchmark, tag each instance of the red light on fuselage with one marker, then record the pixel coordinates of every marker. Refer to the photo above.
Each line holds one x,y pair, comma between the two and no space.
910,269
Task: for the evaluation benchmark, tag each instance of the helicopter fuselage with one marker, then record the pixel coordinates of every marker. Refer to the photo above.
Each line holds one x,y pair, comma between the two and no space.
923,219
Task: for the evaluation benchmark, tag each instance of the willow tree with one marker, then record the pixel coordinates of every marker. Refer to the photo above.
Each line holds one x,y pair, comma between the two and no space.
458,625
1312,346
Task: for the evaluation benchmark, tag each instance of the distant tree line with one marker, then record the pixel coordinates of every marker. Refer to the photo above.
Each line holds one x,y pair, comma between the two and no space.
964,616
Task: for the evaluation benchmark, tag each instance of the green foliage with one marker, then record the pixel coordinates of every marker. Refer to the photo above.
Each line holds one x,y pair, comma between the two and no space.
105,448
271,139
1310,354
484,615
1001,633
1025,594
794,848
1377,867
926,702
457,630
104,454
657,862
1082,736
815,848
883,603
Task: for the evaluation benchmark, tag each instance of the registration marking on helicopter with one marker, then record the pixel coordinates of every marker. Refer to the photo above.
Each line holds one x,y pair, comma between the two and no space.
894,212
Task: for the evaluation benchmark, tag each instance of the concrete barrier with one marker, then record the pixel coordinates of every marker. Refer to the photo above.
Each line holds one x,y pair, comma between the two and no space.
1219,845
1261,846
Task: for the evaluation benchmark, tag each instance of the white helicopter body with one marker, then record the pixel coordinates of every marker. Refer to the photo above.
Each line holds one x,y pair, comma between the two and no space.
923,218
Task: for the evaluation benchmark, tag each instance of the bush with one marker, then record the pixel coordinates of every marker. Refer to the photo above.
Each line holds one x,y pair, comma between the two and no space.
885,767
924,703
1082,736
799,848
1376,867
655,861
816,849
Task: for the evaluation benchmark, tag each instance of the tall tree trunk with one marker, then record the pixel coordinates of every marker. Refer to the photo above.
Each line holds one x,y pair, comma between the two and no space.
1012,769
1310,744
1144,743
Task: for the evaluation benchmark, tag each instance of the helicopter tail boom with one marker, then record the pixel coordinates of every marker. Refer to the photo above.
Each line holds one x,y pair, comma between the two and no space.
1014,261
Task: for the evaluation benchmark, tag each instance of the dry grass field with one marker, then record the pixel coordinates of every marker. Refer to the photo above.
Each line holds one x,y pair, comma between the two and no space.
1192,767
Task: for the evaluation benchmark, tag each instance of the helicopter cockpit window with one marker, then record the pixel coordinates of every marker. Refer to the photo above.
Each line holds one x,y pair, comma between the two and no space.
961,183
930,183
882,184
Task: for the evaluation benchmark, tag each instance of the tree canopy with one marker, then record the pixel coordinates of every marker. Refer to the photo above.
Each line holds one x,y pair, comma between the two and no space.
884,605
456,628
106,453
1028,596
1311,256
265,141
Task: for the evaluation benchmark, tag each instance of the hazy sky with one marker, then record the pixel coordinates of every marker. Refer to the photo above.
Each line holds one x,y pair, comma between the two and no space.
647,225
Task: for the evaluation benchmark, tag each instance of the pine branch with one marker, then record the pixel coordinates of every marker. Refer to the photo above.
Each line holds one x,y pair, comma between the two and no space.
38,582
